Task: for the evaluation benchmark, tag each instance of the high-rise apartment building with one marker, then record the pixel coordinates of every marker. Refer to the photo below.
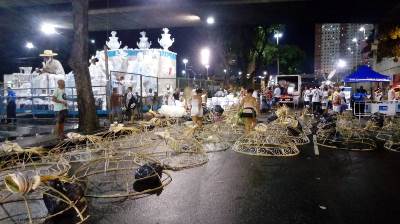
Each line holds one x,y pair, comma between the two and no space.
334,41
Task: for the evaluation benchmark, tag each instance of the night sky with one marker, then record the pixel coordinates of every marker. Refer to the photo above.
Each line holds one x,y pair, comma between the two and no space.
188,42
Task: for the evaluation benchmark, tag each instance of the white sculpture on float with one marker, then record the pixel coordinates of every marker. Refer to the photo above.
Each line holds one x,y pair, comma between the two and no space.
144,43
125,62
113,44
166,40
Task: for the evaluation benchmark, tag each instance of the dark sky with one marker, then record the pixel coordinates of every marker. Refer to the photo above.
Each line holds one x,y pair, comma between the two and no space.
188,42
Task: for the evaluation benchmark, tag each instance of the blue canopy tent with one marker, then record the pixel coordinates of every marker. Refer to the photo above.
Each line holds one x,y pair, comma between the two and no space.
366,74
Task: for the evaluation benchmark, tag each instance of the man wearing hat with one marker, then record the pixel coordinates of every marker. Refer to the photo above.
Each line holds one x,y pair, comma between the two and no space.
51,65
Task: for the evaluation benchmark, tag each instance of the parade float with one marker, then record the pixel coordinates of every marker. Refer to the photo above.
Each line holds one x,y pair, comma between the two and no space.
141,68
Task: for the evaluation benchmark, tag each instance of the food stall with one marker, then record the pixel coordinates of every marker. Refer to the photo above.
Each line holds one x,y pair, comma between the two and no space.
365,76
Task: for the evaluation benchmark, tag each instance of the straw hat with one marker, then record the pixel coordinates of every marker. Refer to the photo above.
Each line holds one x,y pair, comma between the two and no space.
48,53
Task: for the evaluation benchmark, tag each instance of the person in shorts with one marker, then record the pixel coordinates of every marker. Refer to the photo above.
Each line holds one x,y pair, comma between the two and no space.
250,109
61,108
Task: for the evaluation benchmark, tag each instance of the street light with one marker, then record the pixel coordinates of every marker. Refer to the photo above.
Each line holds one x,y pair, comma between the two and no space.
207,67
205,56
362,29
210,20
341,63
93,41
48,29
277,36
185,61
355,40
29,45
239,73
183,72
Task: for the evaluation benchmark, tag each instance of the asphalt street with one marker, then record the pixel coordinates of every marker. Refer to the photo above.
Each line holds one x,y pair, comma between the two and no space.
335,187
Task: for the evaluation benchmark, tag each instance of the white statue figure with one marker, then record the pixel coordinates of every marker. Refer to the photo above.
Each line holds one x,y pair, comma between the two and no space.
113,44
144,43
166,40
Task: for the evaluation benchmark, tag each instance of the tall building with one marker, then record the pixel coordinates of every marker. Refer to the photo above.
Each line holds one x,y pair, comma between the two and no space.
334,41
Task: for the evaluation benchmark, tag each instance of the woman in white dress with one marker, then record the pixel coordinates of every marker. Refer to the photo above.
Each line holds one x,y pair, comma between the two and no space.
196,110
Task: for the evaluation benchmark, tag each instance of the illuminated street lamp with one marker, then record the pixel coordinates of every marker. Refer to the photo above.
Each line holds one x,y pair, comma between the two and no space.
185,61
210,20
93,41
205,56
48,29
341,63
29,45
240,73
207,67
277,36
183,72
355,41
362,29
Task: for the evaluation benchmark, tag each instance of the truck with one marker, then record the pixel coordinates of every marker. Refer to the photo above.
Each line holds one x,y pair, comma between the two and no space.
290,86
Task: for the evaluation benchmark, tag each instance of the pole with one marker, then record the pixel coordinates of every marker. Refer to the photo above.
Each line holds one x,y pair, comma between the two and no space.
141,98
108,77
277,60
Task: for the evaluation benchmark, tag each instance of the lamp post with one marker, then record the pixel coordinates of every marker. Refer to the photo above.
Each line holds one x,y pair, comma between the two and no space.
48,29
210,20
29,45
362,29
185,61
277,35
355,41
205,58
341,64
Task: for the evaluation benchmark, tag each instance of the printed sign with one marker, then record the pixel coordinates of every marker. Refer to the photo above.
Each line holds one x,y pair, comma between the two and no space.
383,108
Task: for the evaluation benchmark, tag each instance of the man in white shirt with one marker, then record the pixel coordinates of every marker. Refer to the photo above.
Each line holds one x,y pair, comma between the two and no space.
277,94
316,100
51,65
306,96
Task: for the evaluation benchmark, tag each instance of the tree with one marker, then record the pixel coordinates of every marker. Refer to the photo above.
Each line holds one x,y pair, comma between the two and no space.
291,58
78,61
389,41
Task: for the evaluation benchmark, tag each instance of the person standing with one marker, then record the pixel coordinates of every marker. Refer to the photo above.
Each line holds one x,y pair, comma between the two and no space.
130,103
50,64
391,94
325,100
306,96
343,100
316,100
336,101
250,109
196,110
358,99
377,95
277,95
11,106
116,111
60,107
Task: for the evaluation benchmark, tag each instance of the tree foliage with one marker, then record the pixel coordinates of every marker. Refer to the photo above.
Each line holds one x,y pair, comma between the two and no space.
389,41
253,49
